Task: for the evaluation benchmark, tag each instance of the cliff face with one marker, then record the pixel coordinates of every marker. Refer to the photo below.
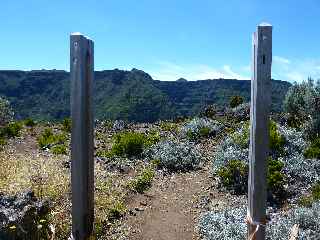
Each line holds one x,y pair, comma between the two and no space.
131,95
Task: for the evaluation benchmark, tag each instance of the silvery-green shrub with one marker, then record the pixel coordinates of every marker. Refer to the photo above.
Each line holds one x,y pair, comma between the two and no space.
175,155
230,224
6,112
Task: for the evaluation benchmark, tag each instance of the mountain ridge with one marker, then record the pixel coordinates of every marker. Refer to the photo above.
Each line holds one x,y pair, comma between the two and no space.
120,94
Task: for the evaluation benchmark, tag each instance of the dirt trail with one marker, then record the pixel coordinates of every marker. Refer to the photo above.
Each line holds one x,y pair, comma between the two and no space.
170,209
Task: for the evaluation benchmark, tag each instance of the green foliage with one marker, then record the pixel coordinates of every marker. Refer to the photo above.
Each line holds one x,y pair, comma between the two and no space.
316,191
298,102
276,141
29,122
155,162
143,181
306,201
236,101
168,126
152,138
276,178
59,149
66,125
116,211
11,130
234,176
48,138
128,144
313,151
241,137
204,132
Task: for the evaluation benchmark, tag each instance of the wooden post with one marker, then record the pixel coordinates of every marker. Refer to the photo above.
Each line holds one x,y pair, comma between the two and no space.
259,131
82,164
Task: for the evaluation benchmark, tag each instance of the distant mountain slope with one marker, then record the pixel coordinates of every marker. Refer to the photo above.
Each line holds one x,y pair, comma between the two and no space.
131,95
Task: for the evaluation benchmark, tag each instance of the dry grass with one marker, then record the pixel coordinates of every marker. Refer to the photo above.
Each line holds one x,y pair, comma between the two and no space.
46,175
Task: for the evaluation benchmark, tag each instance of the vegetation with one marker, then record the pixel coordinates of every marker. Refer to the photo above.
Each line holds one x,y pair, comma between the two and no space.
48,139
236,101
313,151
234,176
11,130
132,95
276,141
66,125
29,122
59,149
143,181
6,112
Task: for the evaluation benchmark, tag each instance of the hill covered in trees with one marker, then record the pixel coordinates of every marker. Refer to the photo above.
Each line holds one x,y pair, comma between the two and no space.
129,95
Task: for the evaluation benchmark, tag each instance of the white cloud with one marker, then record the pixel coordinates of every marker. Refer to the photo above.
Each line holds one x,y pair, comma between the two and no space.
295,70
168,71
278,59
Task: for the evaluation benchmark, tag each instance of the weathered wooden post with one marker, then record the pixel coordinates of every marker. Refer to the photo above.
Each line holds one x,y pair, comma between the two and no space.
82,164
259,131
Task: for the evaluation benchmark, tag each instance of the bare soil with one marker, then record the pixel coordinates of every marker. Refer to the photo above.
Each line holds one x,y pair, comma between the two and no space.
170,209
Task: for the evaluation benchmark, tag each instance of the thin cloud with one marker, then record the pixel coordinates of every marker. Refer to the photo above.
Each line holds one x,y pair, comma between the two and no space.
168,71
278,59
295,70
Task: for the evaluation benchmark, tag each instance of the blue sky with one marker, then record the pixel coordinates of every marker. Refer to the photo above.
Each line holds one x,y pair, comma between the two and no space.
194,39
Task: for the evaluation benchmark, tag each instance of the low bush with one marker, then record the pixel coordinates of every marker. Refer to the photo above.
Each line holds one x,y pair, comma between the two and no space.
174,155
168,126
229,224
11,130
66,125
234,176
59,149
6,112
236,101
143,181
116,211
316,191
276,140
48,139
128,144
313,151
199,128
29,122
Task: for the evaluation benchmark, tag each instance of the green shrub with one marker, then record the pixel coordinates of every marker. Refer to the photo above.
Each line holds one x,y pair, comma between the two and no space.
168,126
128,144
152,138
241,137
2,142
48,138
11,130
314,150
235,101
234,176
204,131
316,191
276,178
306,201
29,122
66,125
276,141
59,149
116,211
143,181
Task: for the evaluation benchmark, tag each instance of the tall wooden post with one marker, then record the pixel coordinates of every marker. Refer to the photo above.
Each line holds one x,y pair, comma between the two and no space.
82,164
259,132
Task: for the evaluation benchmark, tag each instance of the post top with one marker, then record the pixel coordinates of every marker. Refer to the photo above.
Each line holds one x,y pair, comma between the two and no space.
76,34
265,24
80,34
